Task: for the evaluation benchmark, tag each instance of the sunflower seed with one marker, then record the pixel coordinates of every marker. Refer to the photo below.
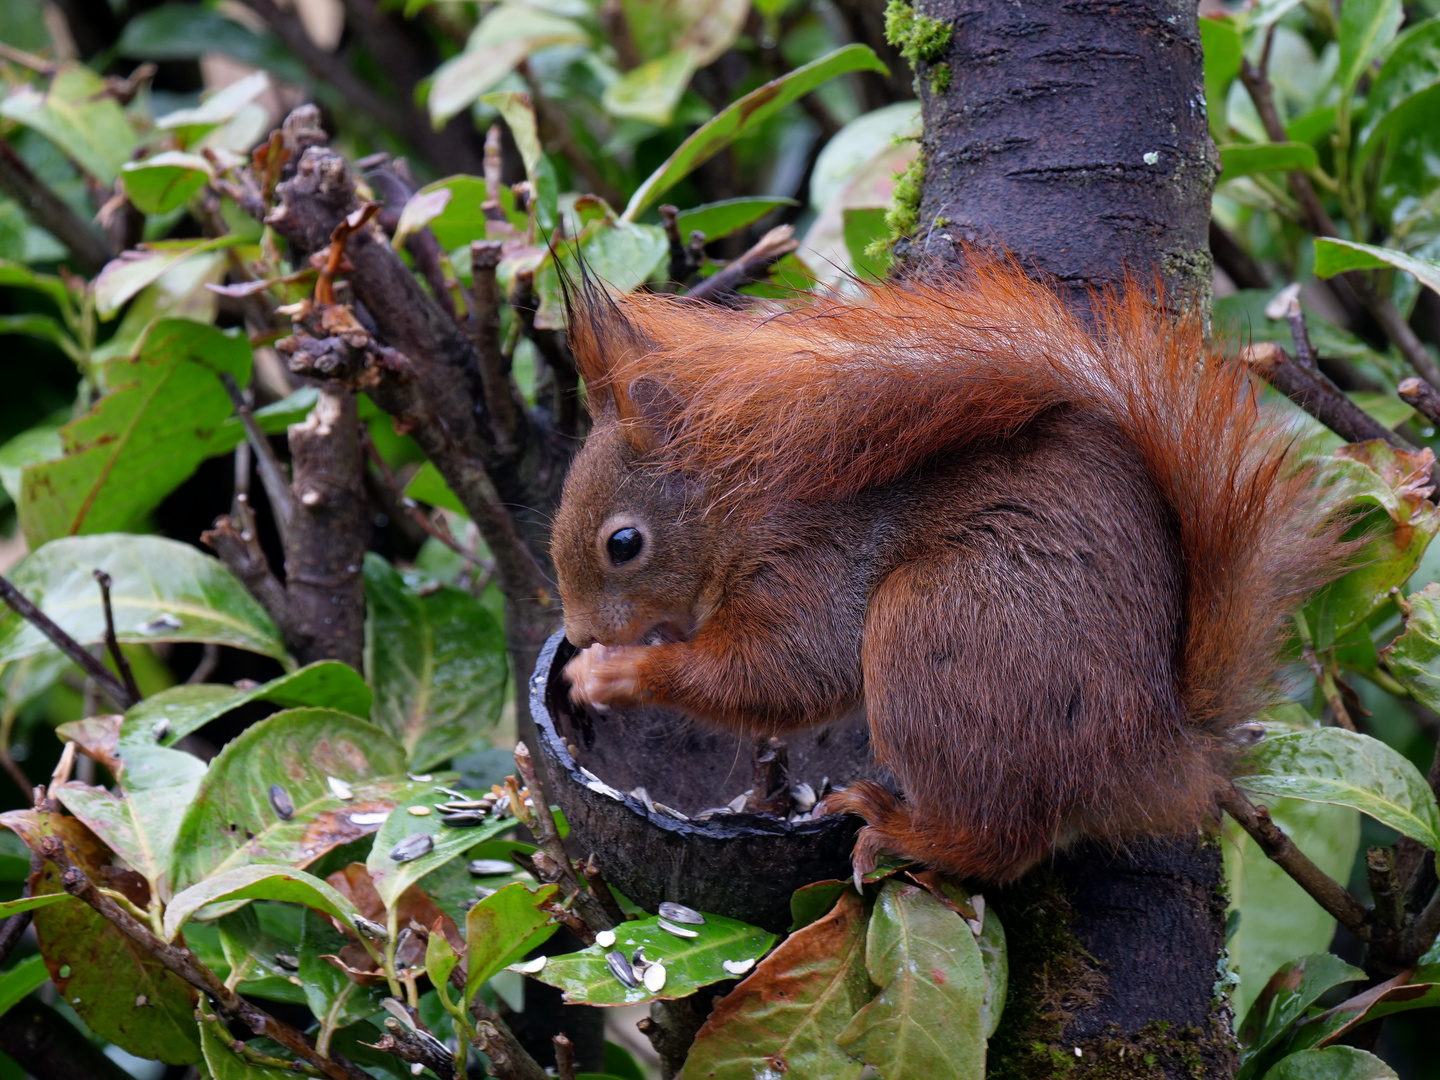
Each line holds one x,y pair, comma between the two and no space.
977,924
371,929
160,730
670,811
644,797
605,938
490,867
412,847
463,820
605,789
678,931
589,775
655,978
418,811
451,792
481,892
160,623
737,804
288,962
803,796
713,811
420,778
620,968
738,967
339,788
370,819
681,914
463,804
281,803
531,967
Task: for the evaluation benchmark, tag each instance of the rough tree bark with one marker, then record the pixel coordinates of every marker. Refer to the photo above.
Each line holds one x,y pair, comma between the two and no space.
1074,135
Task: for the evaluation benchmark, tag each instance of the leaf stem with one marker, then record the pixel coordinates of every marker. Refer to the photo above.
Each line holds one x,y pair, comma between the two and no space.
92,667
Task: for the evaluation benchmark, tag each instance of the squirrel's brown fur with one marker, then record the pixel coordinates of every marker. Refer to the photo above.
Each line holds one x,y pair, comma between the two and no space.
1053,558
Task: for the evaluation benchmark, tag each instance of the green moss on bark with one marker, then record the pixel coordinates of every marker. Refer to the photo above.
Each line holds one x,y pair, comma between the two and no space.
921,40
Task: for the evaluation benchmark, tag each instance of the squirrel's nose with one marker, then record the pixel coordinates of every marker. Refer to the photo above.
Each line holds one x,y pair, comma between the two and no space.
578,637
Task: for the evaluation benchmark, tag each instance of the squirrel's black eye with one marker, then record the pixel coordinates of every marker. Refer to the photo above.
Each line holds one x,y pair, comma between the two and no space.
624,545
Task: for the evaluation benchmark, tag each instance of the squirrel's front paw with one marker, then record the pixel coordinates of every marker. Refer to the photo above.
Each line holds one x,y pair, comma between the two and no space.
607,676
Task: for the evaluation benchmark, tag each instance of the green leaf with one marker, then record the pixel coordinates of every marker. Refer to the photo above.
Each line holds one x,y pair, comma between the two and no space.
43,327
252,938
437,664
21,981
1409,76
1220,41
232,821
122,278
1243,159
161,183
141,826
1337,256
440,960
508,34
392,878
1336,766
189,31
811,902
996,957
720,219
863,226
461,220
31,903
142,439
1277,919
184,709
752,109
1414,656
79,116
519,117
42,443
332,996
1366,27
124,995
927,1020
690,963
428,486
1388,410
651,91
1291,990
1332,1063
218,107
257,883
195,599
274,419
19,276
224,1064
503,927
783,1019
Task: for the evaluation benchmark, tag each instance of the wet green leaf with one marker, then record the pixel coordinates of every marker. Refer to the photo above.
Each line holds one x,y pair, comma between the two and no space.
502,928
196,599
233,822
392,878
1366,27
690,963
122,278
863,226
1220,40
720,219
79,116
651,91
783,1019
928,1018
1336,766
222,105
1333,256
428,486
224,1064
811,902
1407,80
139,441
1414,657
253,938
159,184
333,996
752,109
1291,990
258,882
184,709
508,34
123,994
1332,1063
1277,918
437,664
21,981
1243,159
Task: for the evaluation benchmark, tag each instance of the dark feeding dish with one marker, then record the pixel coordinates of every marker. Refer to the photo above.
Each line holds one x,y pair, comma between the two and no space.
741,865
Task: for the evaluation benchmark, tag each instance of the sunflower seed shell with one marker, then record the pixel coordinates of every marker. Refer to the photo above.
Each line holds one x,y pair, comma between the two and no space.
679,913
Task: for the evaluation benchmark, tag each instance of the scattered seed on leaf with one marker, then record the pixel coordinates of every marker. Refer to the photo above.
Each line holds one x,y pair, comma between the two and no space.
655,978
373,930
605,938
160,730
370,819
679,913
412,847
281,803
288,962
620,968
418,811
532,967
421,778
489,867
738,967
678,931
339,788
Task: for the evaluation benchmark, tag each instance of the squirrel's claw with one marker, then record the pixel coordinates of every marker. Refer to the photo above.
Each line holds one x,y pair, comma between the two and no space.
605,676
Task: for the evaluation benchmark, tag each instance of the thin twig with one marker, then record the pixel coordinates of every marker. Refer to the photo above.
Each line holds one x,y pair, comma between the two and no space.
13,770
547,836
724,286
419,1047
685,259
1426,926
1423,397
410,507
600,889
508,1059
564,1057
182,962
209,661
1385,887
112,644
50,212
272,473
1300,335
66,644
249,1054
1326,892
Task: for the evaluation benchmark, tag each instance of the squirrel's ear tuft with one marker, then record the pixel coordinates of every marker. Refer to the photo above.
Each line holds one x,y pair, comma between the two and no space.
651,412
603,341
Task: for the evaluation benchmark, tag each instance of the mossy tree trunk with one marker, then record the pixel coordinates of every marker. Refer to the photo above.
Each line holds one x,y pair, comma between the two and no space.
1074,135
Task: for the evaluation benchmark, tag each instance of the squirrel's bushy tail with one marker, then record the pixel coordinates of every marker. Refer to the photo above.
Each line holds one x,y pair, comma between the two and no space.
843,394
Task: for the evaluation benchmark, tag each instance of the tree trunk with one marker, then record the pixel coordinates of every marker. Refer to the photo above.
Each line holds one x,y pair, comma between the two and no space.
1074,135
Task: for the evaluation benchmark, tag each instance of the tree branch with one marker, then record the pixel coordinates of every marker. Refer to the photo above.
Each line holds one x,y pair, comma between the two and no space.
50,212
66,644
183,963
1421,396
724,286
1277,846
505,412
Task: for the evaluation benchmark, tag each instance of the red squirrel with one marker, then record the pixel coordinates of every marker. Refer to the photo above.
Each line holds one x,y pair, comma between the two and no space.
1052,555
